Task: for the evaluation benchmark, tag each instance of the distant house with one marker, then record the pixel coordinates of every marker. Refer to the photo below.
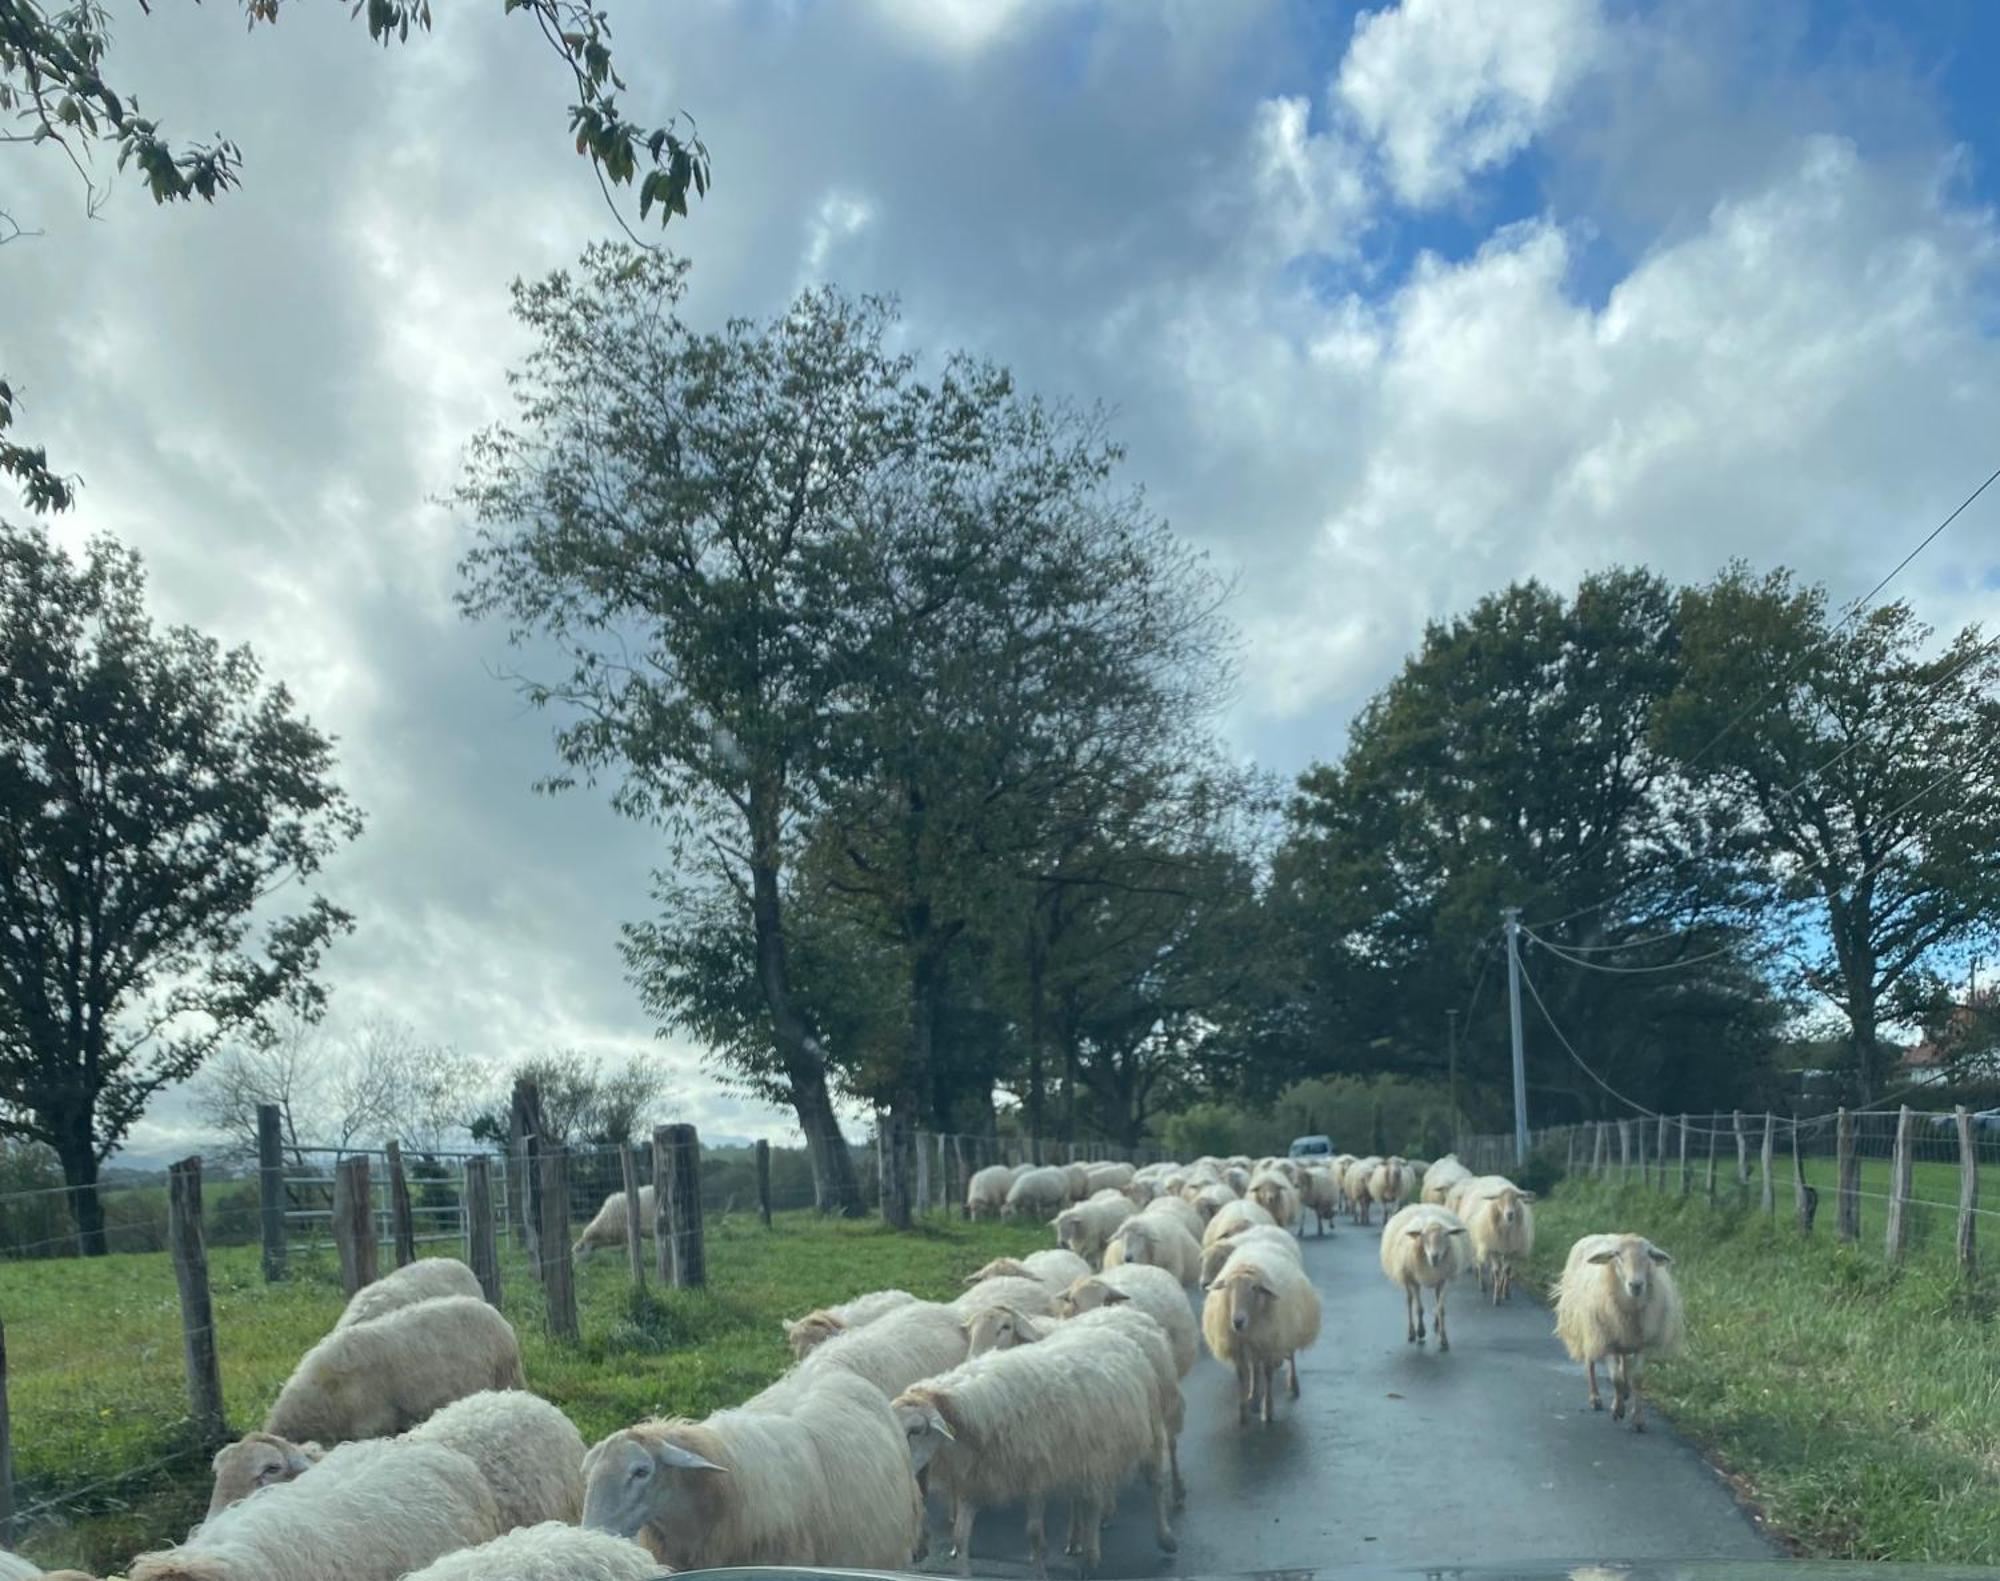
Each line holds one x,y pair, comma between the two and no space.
1965,1047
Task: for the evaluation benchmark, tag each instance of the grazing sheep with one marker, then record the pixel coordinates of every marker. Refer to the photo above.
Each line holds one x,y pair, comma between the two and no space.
1079,1180
1056,1268
529,1452
1423,1245
1616,1299
552,1551
1068,1416
986,1192
256,1460
1357,1183
824,1482
1233,1219
1211,1199
1263,1235
1500,1223
1441,1177
608,1227
1157,1241
1274,1192
369,1512
1140,1192
1087,1228
1391,1183
1115,1177
1153,1291
1321,1195
427,1279
1039,1193
807,1333
371,1379
1261,1311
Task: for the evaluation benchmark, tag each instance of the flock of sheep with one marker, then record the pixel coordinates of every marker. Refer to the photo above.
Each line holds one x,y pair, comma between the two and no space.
406,1443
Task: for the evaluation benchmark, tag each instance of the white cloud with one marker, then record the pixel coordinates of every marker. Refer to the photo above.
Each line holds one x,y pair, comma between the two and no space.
840,217
1449,88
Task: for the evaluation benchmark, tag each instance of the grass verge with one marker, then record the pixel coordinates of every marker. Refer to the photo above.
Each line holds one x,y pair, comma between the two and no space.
1857,1404
98,1395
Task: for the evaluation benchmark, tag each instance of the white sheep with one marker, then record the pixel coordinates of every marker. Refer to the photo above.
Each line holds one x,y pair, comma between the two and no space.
427,1279
807,1333
1086,1228
1040,1193
1321,1195
1392,1183
1273,1191
1423,1246
1500,1223
1114,1176
825,1482
1264,1235
1232,1219
1441,1177
1237,1178
552,1551
1616,1299
1031,1292
1358,1184
1140,1192
607,1228
1338,1166
371,1379
891,1353
370,1511
257,1460
1158,1241
1071,1415
1210,1199
1153,1291
1056,1267
1180,1210
1260,1312
1079,1180
986,1192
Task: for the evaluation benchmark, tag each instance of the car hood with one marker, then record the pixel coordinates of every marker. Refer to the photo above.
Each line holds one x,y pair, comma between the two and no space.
1553,1570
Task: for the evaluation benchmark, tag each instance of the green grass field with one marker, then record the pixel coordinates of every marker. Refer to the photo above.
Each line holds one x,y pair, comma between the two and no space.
97,1389
1858,1404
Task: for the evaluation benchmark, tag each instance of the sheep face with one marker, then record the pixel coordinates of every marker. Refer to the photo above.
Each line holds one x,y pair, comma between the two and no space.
629,1483
997,1328
1251,1296
1071,1232
925,1430
1434,1242
808,1333
1508,1203
1087,1295
1000,1267
1629,1268
255,1461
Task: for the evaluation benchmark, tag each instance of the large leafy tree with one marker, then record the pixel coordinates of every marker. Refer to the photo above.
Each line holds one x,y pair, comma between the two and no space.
1856,760
156,800
53,87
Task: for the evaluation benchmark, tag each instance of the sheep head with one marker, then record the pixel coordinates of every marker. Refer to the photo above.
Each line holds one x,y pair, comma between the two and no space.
808,1333
1250,1293
998,1328
257,1460
1087,1295
1071,1231
646,1476
1433,1238
1628,1267
920,1414
1000,1267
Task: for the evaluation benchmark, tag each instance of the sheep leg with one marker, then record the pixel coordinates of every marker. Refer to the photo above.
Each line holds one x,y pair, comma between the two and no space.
1267,1385
1174,1464
1444,1343
1246,1391
1163,1493
961,1537
1093,1537
1038,1535
1413,1315
1634,1365
1292,1361
1620,1387
1590,1371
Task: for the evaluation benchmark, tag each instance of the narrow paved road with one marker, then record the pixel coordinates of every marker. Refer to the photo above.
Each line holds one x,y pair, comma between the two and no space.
1397,1456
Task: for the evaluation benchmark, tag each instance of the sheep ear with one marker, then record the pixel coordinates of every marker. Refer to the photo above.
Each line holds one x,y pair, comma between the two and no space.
301,1458
680,1459
1456,1229
1114,1298
1656,1254
1527,1196
1415,1235
1601,1257
938,1424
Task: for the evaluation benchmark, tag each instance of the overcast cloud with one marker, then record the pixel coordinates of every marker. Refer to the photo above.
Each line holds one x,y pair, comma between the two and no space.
1393,306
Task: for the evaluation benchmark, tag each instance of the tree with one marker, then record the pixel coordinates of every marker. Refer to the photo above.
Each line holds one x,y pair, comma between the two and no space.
583,1103
52,82
155,797
1857,765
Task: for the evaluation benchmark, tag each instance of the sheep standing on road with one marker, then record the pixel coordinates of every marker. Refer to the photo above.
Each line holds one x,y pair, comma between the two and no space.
1320,1196
427,1279
1153,1291
1261,1311
1087,1228
607,1228
824,1482
1391,1183
552,1551
1441,1177
1056,1267
1356,1183
986,1192
1616,1299
1157,1241
1273,1191
371,1379
1260,1235
891,1353
1210,1199
1180,1210
1423,1247
1233,1219
808,1333
1500,1223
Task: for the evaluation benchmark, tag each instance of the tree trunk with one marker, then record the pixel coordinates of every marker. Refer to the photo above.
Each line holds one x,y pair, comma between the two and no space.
1038,1023
905,1104
78,1156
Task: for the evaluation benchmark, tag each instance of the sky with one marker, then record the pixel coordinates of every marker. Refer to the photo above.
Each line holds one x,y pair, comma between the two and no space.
1392,304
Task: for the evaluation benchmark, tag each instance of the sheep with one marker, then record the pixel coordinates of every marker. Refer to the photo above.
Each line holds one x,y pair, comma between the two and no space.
1034,1292
1180,1211
1160,1242
1442,1176
894,1351
608,1227
986,1192
1338,1166
551,1551
257,1460
1039,1193
1056,1267
1356,1183
370,1511
1115,1176
1211,1199
1423,1245
427,1279
824,1482
1320,1194
1260,1312
1140,1192
1500,1223
1616,1299
1087,1228
1237,1179
1079,1180
1071,1415
1153,1291
1274,1192
821,1324
1232,1220
1267,1235
1390,1183
376,1378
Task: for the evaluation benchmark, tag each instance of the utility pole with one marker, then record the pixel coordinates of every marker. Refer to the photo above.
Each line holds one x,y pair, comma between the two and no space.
1457,1114
1512,915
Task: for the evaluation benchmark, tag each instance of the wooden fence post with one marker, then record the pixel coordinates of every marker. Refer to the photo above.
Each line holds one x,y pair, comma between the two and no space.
558,1275
1597,1150
680,1187
1764,1161
480,1251
663,1225
635,1228
1847,1180
6,1451
1660,1155
1569,1152
1624,1151
1687,1180
1639,1151
190,1256
923,1155
764,1181
525,1137
271,1190
946,1194
354,1223
1898,1237
402,1222
1742,1152
958,1152
1804,1198
1968,1195
1714,1128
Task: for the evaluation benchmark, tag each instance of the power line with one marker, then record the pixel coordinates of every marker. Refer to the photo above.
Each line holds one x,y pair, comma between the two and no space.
1627,971
1570,1049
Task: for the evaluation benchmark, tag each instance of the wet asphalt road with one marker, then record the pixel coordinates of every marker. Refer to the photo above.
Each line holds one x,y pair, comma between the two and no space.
1397,1456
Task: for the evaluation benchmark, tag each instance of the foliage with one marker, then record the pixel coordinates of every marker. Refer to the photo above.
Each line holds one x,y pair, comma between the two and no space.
154,793
1413,1117
583,1102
